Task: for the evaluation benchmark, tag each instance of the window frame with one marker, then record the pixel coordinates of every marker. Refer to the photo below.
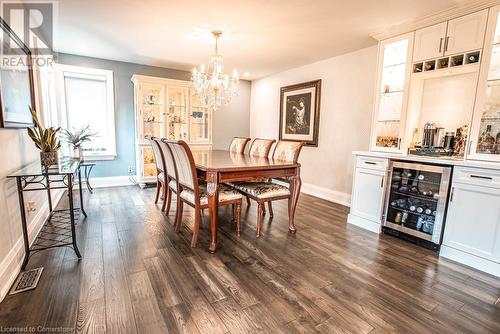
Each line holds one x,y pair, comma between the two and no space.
63,71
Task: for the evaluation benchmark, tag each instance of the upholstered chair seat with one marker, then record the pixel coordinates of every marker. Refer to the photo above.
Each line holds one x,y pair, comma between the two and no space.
161,177
226,193
262,189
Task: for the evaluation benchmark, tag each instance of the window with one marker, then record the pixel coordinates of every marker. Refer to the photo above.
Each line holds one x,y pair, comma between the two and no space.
86,98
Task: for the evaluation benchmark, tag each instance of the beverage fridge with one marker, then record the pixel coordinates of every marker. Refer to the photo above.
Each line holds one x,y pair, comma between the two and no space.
416,202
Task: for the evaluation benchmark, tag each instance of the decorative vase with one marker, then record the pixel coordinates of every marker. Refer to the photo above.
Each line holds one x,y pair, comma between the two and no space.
49,159
78,152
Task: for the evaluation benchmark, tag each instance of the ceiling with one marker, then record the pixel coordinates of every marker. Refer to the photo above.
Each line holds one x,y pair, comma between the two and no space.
260,37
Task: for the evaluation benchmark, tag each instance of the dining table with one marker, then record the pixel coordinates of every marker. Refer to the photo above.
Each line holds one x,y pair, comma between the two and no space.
220,166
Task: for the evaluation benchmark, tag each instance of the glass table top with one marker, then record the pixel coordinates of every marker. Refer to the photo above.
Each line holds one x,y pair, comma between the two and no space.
66,166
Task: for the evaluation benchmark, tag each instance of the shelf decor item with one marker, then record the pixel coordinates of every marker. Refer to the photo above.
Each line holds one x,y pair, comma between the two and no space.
45,140
77,138
212,86
299,112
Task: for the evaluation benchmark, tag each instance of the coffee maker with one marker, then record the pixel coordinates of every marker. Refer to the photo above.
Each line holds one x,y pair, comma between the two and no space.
432,141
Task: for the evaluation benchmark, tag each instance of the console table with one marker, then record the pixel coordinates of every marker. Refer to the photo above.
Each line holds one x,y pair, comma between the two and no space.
59,228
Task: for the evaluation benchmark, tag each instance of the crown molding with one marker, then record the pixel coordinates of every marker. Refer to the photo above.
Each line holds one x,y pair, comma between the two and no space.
425,21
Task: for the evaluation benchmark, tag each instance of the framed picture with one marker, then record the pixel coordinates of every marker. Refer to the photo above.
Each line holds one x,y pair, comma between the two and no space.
299,112
16,80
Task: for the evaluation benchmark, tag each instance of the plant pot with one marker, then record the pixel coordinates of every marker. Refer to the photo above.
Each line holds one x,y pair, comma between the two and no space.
49,159
78,153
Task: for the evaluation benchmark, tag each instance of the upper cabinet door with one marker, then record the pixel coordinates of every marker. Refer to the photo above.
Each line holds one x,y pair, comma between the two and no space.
466,33
484,142
429,42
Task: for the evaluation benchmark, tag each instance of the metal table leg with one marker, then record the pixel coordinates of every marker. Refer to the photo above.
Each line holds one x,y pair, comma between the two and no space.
80,191
23,223
72,212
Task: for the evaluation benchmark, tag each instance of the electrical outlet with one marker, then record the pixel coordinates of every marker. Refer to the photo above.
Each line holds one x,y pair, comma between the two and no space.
31,207
130,170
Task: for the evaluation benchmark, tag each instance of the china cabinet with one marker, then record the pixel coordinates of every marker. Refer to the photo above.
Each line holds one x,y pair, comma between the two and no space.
485,135
166,108
394,71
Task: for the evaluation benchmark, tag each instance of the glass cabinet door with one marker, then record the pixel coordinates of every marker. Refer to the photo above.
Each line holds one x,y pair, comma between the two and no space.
199,122
177,107
485,137
149,166
394,59
153,114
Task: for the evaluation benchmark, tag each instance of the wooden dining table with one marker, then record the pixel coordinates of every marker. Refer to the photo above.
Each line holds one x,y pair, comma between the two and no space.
218,166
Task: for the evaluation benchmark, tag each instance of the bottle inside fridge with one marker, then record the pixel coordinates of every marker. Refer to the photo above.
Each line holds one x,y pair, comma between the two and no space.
416,201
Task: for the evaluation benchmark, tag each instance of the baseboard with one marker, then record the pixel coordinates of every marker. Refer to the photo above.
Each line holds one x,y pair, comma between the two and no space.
326,194
110,181
470,260
363,223
11,264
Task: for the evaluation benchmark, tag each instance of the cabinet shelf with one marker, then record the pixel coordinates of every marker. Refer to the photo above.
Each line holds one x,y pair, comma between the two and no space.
422,197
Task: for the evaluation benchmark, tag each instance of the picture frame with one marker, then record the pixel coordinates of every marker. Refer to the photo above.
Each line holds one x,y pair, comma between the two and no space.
16,80
300,112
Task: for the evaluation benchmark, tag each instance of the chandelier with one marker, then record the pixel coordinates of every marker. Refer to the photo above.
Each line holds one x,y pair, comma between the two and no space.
212,87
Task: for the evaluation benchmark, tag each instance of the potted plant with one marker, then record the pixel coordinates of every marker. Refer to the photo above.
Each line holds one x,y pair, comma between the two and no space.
45,140
77,138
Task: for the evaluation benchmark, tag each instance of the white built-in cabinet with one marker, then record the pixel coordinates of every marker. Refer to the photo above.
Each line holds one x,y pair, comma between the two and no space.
394,69
166,108
484,141
367,201
473,220
459,35
429,42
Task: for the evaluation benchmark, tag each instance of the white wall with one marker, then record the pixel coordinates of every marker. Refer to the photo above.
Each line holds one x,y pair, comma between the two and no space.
232,120
17,150
345,118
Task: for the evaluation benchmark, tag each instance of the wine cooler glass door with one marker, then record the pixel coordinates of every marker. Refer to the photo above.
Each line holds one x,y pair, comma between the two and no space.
416,200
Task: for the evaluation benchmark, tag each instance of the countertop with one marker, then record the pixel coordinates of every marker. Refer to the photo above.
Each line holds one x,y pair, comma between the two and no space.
449,161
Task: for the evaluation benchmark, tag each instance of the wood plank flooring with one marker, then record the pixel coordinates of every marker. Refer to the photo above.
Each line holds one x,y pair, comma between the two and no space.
138,276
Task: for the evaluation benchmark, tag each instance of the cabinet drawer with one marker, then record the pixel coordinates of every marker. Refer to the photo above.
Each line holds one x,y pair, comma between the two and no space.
372,163
477,176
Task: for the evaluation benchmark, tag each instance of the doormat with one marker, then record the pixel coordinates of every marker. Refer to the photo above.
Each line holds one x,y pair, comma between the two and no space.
27,280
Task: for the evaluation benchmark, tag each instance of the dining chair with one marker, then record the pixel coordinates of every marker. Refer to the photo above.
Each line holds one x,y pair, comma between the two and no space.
194,193
260,148
238,144
267,191
160,169
171,175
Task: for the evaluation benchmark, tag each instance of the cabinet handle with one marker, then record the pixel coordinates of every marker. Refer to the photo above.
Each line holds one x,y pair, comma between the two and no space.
382,183
446,42
451,195
489,178
440,44
370,163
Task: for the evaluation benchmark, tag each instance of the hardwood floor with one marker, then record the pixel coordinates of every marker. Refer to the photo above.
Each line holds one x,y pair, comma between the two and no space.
138,276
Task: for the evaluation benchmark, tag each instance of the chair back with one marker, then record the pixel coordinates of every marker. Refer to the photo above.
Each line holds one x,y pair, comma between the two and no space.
261,147
157,155
238,144
287,150
169,159
184,163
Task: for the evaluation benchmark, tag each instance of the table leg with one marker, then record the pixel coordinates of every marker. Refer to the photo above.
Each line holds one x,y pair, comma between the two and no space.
23,223
72,214
295,184
81,191
213,207
88,170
